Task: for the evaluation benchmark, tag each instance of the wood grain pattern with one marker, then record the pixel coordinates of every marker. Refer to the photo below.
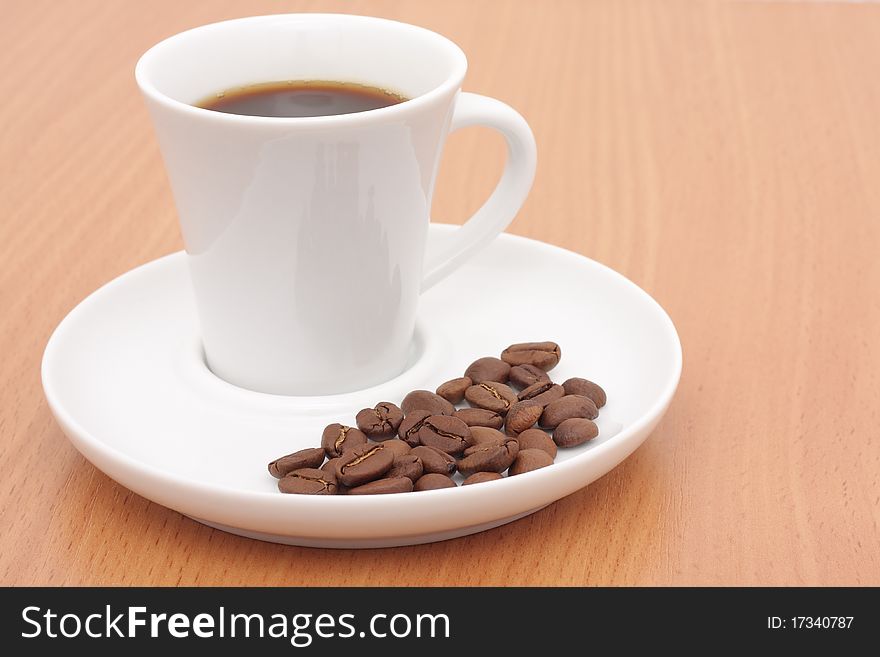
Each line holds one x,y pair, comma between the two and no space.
724,156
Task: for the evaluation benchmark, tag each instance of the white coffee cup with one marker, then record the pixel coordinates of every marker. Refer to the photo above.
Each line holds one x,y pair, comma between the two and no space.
306,237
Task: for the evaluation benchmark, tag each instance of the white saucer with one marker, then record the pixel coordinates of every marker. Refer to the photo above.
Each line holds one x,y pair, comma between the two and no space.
125,378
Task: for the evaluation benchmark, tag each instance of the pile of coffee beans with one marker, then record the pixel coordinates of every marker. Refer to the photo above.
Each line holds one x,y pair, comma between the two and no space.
516,419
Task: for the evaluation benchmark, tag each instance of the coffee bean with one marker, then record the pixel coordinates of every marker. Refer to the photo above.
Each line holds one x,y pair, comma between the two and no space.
406,466
522,376
586,388
542,393
480,435
419,441
491,395
537,439
528,460
482,477
508,442
409,428
338,438
308,481
434,461
480,417
330,466
433,481
575,431
488,369
384,486
453,391
363,464
488,458
425,400
380,422
310,457
397,447
544,355
568,407
521,416
446,433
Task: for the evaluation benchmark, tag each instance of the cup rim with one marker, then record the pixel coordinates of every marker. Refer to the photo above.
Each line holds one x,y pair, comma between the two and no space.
452,82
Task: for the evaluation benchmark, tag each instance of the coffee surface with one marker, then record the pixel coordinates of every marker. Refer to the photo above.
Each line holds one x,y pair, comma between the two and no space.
300,98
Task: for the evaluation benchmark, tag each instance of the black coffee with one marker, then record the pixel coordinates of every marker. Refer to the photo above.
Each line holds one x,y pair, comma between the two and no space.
298,98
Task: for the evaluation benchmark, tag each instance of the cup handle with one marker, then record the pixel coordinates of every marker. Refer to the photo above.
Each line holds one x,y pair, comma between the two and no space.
510,193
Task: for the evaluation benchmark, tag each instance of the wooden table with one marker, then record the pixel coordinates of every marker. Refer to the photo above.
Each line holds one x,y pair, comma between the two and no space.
724,156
